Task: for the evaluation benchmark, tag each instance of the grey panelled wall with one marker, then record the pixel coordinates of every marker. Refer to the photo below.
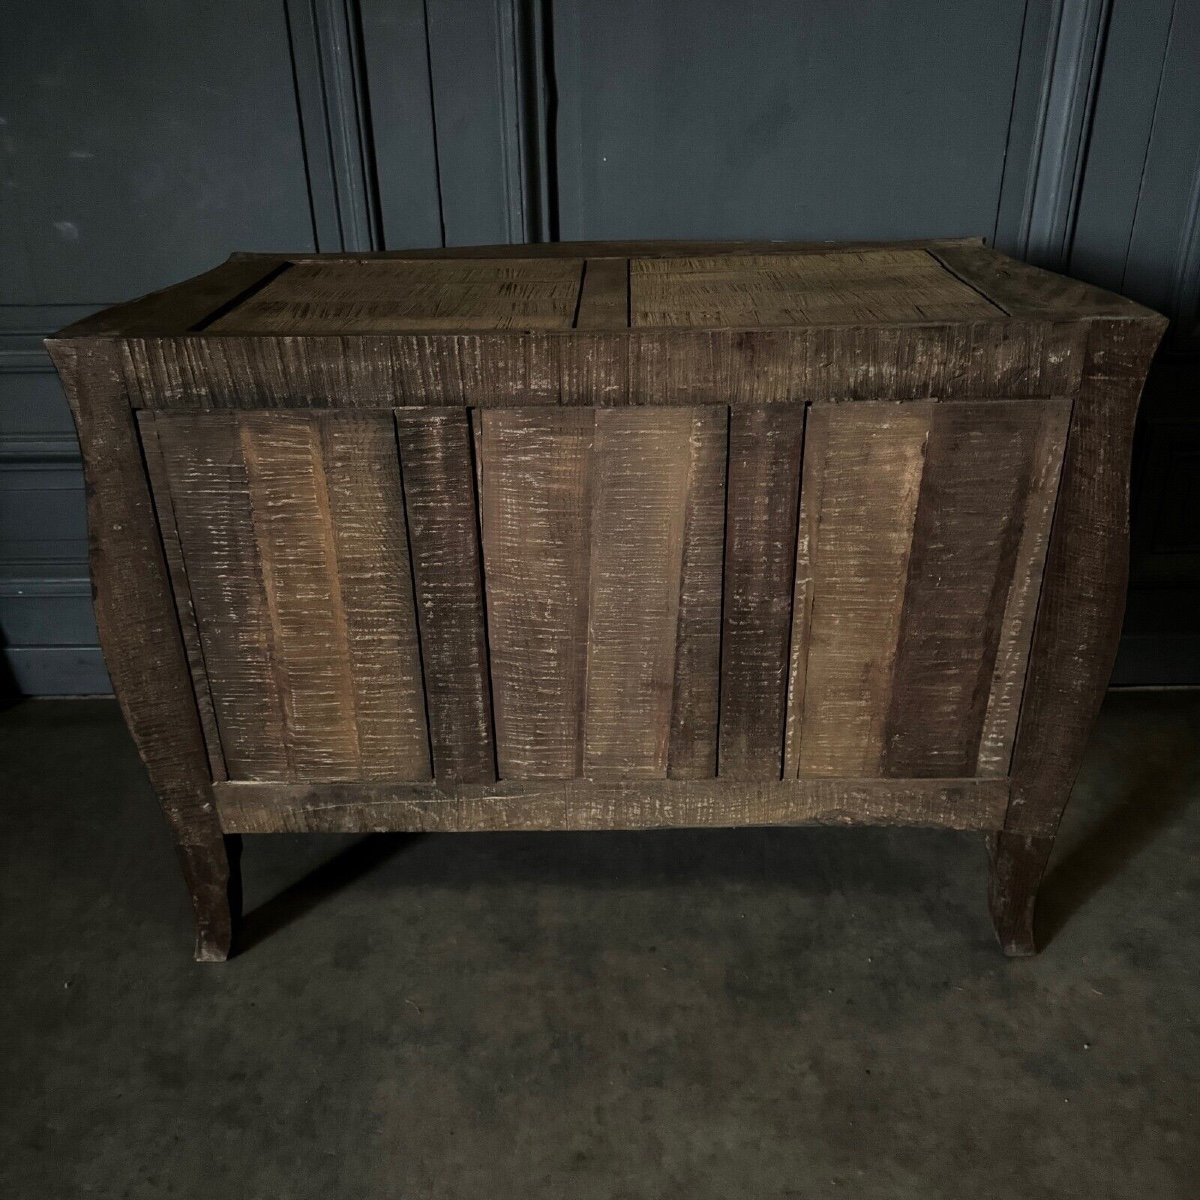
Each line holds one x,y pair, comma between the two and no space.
142,142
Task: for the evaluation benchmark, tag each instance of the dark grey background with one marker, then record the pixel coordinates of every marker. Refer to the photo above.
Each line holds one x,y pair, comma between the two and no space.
142,142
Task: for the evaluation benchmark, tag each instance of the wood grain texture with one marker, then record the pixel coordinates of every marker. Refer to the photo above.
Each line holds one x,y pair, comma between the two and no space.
697,685
1016,630
293,531
536,515
139,632
640,475
609,804
604,295
760,552
164,508
741,368
1082,597
979,467
862,477
837,288
437,460
395,296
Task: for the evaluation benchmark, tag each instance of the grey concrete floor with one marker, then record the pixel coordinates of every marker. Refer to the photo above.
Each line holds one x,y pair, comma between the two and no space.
759,1013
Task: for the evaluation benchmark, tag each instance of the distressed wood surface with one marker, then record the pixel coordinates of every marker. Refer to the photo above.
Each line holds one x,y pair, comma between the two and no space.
293,530
976,804
697,685
604,295
536,518
839,288
760,552
743,368
139,632
436,457
922,534
979,465
864,472
390,296
639,498
164,507
911,621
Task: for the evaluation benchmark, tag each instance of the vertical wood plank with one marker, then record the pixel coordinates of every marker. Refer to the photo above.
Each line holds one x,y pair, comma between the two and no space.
367,515
1004,696
293,528
639,495
164,508
536,535
965,540
760,555
439,494
816,435
203,457
696,693
865,464
604,294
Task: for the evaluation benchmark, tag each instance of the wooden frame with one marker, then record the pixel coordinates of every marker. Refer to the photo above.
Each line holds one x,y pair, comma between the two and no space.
1046,337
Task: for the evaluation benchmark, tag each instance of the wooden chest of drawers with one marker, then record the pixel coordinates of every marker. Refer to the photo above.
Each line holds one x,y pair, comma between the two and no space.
611,536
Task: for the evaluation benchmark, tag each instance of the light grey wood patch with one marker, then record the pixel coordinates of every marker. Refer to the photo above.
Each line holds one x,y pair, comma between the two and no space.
604,296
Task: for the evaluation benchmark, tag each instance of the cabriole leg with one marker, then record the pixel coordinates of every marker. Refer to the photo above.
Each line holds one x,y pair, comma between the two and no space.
1014,875
212,872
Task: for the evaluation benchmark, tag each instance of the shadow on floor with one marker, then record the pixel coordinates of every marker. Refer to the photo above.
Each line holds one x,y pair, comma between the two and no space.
1159,774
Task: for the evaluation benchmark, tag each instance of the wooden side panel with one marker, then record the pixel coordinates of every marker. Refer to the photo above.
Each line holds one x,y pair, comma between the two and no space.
536,517
693,749
367,515
439,492
292,531
760,552
639,498
213,513
923,530
863,473
967,533
164,507
1016,634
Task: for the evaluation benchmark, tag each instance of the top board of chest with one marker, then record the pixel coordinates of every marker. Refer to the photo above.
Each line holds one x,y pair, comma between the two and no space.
711,291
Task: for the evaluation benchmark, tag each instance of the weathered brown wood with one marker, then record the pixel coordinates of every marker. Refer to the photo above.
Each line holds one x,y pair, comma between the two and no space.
181,308
439,494
1024,291
1078,618
604,295
741,368
697,685
293,530
640,475
863,477
979,468
760,552
536,513
838,288
139,631
609,804
811,516
164,507
393,295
